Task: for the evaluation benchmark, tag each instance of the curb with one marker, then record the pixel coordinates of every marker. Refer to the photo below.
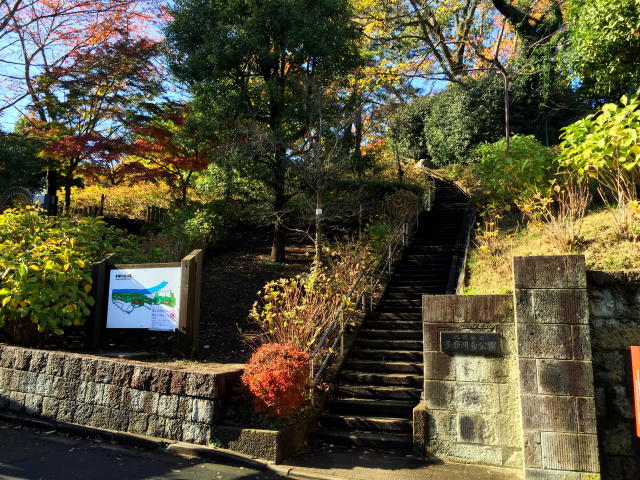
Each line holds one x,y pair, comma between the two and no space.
228,457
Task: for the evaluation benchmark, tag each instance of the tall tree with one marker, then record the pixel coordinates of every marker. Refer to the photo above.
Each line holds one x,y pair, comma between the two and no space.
38,36
19,163
87,104
605,46
436,39
253,60
535,21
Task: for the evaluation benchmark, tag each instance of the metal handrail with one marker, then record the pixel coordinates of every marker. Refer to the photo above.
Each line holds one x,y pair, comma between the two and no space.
393,247
465,254
460,252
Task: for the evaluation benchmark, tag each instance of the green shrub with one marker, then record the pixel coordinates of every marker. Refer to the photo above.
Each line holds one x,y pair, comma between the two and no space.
127,200
194,226
444,128
45,265
605,147
505,175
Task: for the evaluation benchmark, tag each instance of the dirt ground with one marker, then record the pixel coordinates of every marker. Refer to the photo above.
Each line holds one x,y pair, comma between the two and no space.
231,281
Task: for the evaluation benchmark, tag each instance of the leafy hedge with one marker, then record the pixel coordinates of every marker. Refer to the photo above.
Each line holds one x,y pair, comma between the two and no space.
506,175
45,271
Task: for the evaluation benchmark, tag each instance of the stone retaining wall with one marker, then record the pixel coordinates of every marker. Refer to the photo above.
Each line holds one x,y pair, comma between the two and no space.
614,301
556,375
113,394
471,410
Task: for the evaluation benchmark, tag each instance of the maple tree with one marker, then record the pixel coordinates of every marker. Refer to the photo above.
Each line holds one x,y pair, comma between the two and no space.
87,104
38,36
167,145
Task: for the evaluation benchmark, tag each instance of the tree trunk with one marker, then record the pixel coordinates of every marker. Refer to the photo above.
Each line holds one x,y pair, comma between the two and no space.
51,199
183,193
279,207
318,240
357,155
398,164
67,197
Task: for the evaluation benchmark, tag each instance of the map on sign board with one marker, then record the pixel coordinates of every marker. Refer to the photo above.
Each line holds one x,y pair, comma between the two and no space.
146,298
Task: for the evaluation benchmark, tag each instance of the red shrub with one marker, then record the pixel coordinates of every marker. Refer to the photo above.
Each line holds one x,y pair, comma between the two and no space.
278,378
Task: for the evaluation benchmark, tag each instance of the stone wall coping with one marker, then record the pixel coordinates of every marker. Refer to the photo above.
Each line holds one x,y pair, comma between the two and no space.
542,272
606,278
209,383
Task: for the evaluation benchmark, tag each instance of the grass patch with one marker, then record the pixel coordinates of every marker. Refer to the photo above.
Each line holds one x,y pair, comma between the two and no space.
599,243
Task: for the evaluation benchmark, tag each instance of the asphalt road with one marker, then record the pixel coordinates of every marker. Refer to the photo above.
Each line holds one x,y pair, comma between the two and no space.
29,453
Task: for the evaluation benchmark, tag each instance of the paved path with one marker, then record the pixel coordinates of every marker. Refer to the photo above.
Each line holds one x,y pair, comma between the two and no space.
30,453
360,464
27,453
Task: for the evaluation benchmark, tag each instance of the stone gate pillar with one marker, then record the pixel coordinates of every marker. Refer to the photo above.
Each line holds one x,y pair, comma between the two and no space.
556,376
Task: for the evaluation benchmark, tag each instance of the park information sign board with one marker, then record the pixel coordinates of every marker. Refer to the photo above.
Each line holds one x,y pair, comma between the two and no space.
147,298
635,368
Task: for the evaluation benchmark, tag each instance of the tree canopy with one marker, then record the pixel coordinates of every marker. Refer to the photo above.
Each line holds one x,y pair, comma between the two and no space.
254,62
604,47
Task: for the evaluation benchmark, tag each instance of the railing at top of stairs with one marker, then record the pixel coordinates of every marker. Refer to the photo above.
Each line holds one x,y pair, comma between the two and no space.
367,284
457,275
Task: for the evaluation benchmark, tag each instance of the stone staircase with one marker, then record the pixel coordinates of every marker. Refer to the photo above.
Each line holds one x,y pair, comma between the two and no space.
381,380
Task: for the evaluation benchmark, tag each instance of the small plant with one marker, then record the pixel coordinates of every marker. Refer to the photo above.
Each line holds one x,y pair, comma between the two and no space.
195,226
277,376
295,311
605,147
506,175
378,234
488,232
560,210
45,271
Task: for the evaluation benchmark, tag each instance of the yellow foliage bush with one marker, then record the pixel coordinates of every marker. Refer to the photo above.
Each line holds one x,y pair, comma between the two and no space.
124,201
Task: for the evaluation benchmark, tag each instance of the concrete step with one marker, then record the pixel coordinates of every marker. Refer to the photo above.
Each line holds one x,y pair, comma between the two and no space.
393,289
391,333
389,344
437,285
387,301
386,355
393,325
386,441
427,258
415,368
386,408
422,270
394,309
365,423
349,377
377,315
402,294
375,391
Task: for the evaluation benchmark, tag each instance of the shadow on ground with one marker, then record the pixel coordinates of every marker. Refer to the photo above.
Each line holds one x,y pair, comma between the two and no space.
27,453
362,464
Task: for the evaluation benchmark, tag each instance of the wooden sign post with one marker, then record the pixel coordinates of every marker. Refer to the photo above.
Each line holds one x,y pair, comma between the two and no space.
635,368
148,297
189,318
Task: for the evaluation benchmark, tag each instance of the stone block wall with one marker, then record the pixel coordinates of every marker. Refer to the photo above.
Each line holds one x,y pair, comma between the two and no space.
113,394
556,376
566,334
614,300
470,411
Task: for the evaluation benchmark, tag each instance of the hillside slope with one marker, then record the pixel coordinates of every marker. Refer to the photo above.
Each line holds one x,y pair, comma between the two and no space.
490,272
